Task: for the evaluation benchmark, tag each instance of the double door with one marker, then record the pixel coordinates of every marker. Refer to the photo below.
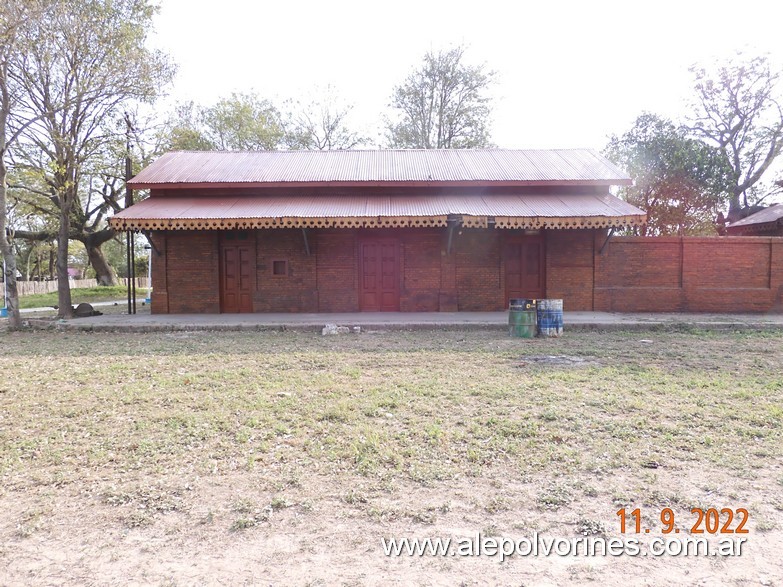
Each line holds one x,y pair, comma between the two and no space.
524,260
236,273
379,275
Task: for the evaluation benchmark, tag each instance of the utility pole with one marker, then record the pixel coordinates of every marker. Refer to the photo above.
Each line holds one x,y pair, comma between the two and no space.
130,241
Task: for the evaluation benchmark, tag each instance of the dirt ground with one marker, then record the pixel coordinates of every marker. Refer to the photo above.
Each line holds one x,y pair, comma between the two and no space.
316,538
164,473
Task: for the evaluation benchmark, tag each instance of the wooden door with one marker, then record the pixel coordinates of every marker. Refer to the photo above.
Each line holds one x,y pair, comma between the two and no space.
236,277
379,275
524,259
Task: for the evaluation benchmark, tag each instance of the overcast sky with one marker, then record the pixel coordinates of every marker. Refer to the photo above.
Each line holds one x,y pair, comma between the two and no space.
569,74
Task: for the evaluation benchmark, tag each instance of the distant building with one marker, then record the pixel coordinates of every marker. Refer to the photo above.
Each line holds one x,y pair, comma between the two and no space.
766,222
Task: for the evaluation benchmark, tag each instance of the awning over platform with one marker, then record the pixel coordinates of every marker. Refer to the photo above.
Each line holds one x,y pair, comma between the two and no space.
498,210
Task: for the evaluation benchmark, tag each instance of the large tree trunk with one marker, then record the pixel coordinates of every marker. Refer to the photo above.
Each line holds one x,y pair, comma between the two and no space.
103,271
64,310
735,207
12,295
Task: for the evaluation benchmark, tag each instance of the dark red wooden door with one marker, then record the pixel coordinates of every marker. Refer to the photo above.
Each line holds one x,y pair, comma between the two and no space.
524,258
236,279
379,276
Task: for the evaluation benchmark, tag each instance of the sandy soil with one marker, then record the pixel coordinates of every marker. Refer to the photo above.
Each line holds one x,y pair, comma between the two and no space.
241,530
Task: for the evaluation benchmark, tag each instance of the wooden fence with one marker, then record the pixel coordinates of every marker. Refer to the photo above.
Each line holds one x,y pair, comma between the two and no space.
39,287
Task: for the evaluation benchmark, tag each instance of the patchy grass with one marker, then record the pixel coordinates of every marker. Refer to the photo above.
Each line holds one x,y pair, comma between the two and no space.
79,295
389,427
422,406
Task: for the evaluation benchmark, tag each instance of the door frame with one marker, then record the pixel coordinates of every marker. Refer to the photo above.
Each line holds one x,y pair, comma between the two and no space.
364,238
223,243
523,239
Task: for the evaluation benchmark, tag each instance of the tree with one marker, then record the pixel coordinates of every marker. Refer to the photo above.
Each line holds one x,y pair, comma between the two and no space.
241,122
14,16
442,105
322,124
738,109
84,60
678,180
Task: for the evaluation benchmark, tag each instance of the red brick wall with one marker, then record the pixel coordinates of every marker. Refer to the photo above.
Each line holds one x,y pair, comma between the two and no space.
633,274
337,275
297,290
192,284
480,283
716,274
421,270
569,267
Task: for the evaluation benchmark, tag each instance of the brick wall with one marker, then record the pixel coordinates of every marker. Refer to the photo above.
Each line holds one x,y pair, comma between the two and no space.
633,274
336,268
480,284
716,274
421,270
569,267
296,291
191,273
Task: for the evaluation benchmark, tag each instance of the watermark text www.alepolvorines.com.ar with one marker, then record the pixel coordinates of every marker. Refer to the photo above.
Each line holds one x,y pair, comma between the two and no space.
583,546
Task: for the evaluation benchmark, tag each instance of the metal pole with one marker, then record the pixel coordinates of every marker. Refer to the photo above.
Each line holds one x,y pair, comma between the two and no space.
133,268
128,264
5,292
128,203
148,299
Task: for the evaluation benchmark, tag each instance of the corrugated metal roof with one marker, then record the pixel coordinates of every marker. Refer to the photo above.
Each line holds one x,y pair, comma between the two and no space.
184,168
511,205
771,214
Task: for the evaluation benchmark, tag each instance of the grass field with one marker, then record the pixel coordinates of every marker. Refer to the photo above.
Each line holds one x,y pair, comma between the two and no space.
283,457
79,295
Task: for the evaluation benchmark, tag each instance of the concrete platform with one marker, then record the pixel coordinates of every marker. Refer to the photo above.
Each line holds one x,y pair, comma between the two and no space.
409,321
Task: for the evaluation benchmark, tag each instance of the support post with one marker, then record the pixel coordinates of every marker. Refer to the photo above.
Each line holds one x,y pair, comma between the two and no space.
130,242
306,238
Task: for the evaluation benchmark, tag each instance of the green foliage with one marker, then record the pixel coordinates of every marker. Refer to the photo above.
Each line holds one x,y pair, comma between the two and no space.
115,251
80,64
442,105
241,122
79,295
679,181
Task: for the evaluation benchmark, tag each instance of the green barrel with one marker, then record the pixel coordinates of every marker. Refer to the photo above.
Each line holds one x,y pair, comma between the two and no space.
522,318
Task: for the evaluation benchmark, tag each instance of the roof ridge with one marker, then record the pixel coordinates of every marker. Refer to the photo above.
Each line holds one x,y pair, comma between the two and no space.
324,151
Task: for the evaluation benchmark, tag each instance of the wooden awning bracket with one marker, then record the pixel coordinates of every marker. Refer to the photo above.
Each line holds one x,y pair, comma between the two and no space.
305,236
451,224
146,233
606,242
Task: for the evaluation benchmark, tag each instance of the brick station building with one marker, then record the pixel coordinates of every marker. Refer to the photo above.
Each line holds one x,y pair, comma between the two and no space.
383,230
435,230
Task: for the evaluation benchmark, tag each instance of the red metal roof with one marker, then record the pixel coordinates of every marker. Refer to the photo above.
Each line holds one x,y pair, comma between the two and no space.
767,215
604,210
380,167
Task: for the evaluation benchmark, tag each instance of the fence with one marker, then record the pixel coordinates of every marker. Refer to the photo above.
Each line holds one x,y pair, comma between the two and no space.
690,274
26,288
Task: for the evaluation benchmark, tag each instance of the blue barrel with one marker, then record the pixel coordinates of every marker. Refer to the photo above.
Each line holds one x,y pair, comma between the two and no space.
550,317
522,317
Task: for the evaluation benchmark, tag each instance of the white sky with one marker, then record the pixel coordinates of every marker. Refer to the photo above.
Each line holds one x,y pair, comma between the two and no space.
570,73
